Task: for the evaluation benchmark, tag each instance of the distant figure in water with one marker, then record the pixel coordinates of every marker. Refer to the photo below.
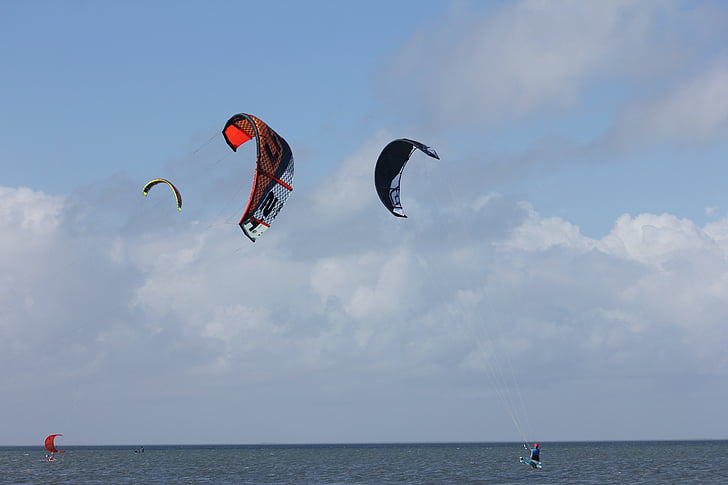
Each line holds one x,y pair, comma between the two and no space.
535,453
140,450
50,457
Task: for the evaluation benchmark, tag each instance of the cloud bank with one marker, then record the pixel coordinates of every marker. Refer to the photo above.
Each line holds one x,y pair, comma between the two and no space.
340,302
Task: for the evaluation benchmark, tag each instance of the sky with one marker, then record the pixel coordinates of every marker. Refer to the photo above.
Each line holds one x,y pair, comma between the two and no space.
562,273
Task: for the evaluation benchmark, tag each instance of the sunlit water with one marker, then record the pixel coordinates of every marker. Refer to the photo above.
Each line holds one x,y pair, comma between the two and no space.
680,462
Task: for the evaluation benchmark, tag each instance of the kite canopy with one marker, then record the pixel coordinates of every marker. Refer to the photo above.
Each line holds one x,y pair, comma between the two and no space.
154,182
389,168
50,444
273,179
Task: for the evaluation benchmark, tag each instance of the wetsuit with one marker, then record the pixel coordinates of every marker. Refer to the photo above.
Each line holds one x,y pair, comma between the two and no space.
535,454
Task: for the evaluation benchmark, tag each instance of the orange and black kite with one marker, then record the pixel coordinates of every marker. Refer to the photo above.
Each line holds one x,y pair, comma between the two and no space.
273,179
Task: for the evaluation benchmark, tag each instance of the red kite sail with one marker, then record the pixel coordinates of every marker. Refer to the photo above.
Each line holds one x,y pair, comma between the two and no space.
50,444
273,179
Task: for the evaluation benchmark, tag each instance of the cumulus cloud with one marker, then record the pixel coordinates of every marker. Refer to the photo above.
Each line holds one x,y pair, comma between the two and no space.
388,302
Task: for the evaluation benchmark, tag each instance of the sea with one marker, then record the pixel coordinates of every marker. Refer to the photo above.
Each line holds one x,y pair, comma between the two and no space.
624,462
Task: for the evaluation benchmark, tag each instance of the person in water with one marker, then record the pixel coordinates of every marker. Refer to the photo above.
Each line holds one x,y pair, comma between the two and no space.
535,453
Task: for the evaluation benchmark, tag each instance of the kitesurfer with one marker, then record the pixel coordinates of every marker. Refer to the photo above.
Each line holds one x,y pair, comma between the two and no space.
535,453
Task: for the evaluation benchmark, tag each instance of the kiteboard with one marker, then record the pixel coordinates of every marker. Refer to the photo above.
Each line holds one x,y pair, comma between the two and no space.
531,463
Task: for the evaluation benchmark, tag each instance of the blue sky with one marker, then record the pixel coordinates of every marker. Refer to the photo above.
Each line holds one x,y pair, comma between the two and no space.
565,258
124,77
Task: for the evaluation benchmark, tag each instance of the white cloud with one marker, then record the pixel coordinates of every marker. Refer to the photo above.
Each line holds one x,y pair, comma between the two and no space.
651,273
692,110
28,210
654,239
660,66
385,300
537,233
513,59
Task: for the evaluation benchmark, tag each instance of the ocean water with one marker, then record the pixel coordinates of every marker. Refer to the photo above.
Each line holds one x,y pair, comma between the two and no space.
657,462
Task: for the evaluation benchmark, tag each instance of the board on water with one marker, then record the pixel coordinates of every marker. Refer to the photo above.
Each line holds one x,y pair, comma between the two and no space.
531,463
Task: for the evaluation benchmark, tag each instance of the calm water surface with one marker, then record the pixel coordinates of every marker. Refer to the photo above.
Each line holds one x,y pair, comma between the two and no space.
678,462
